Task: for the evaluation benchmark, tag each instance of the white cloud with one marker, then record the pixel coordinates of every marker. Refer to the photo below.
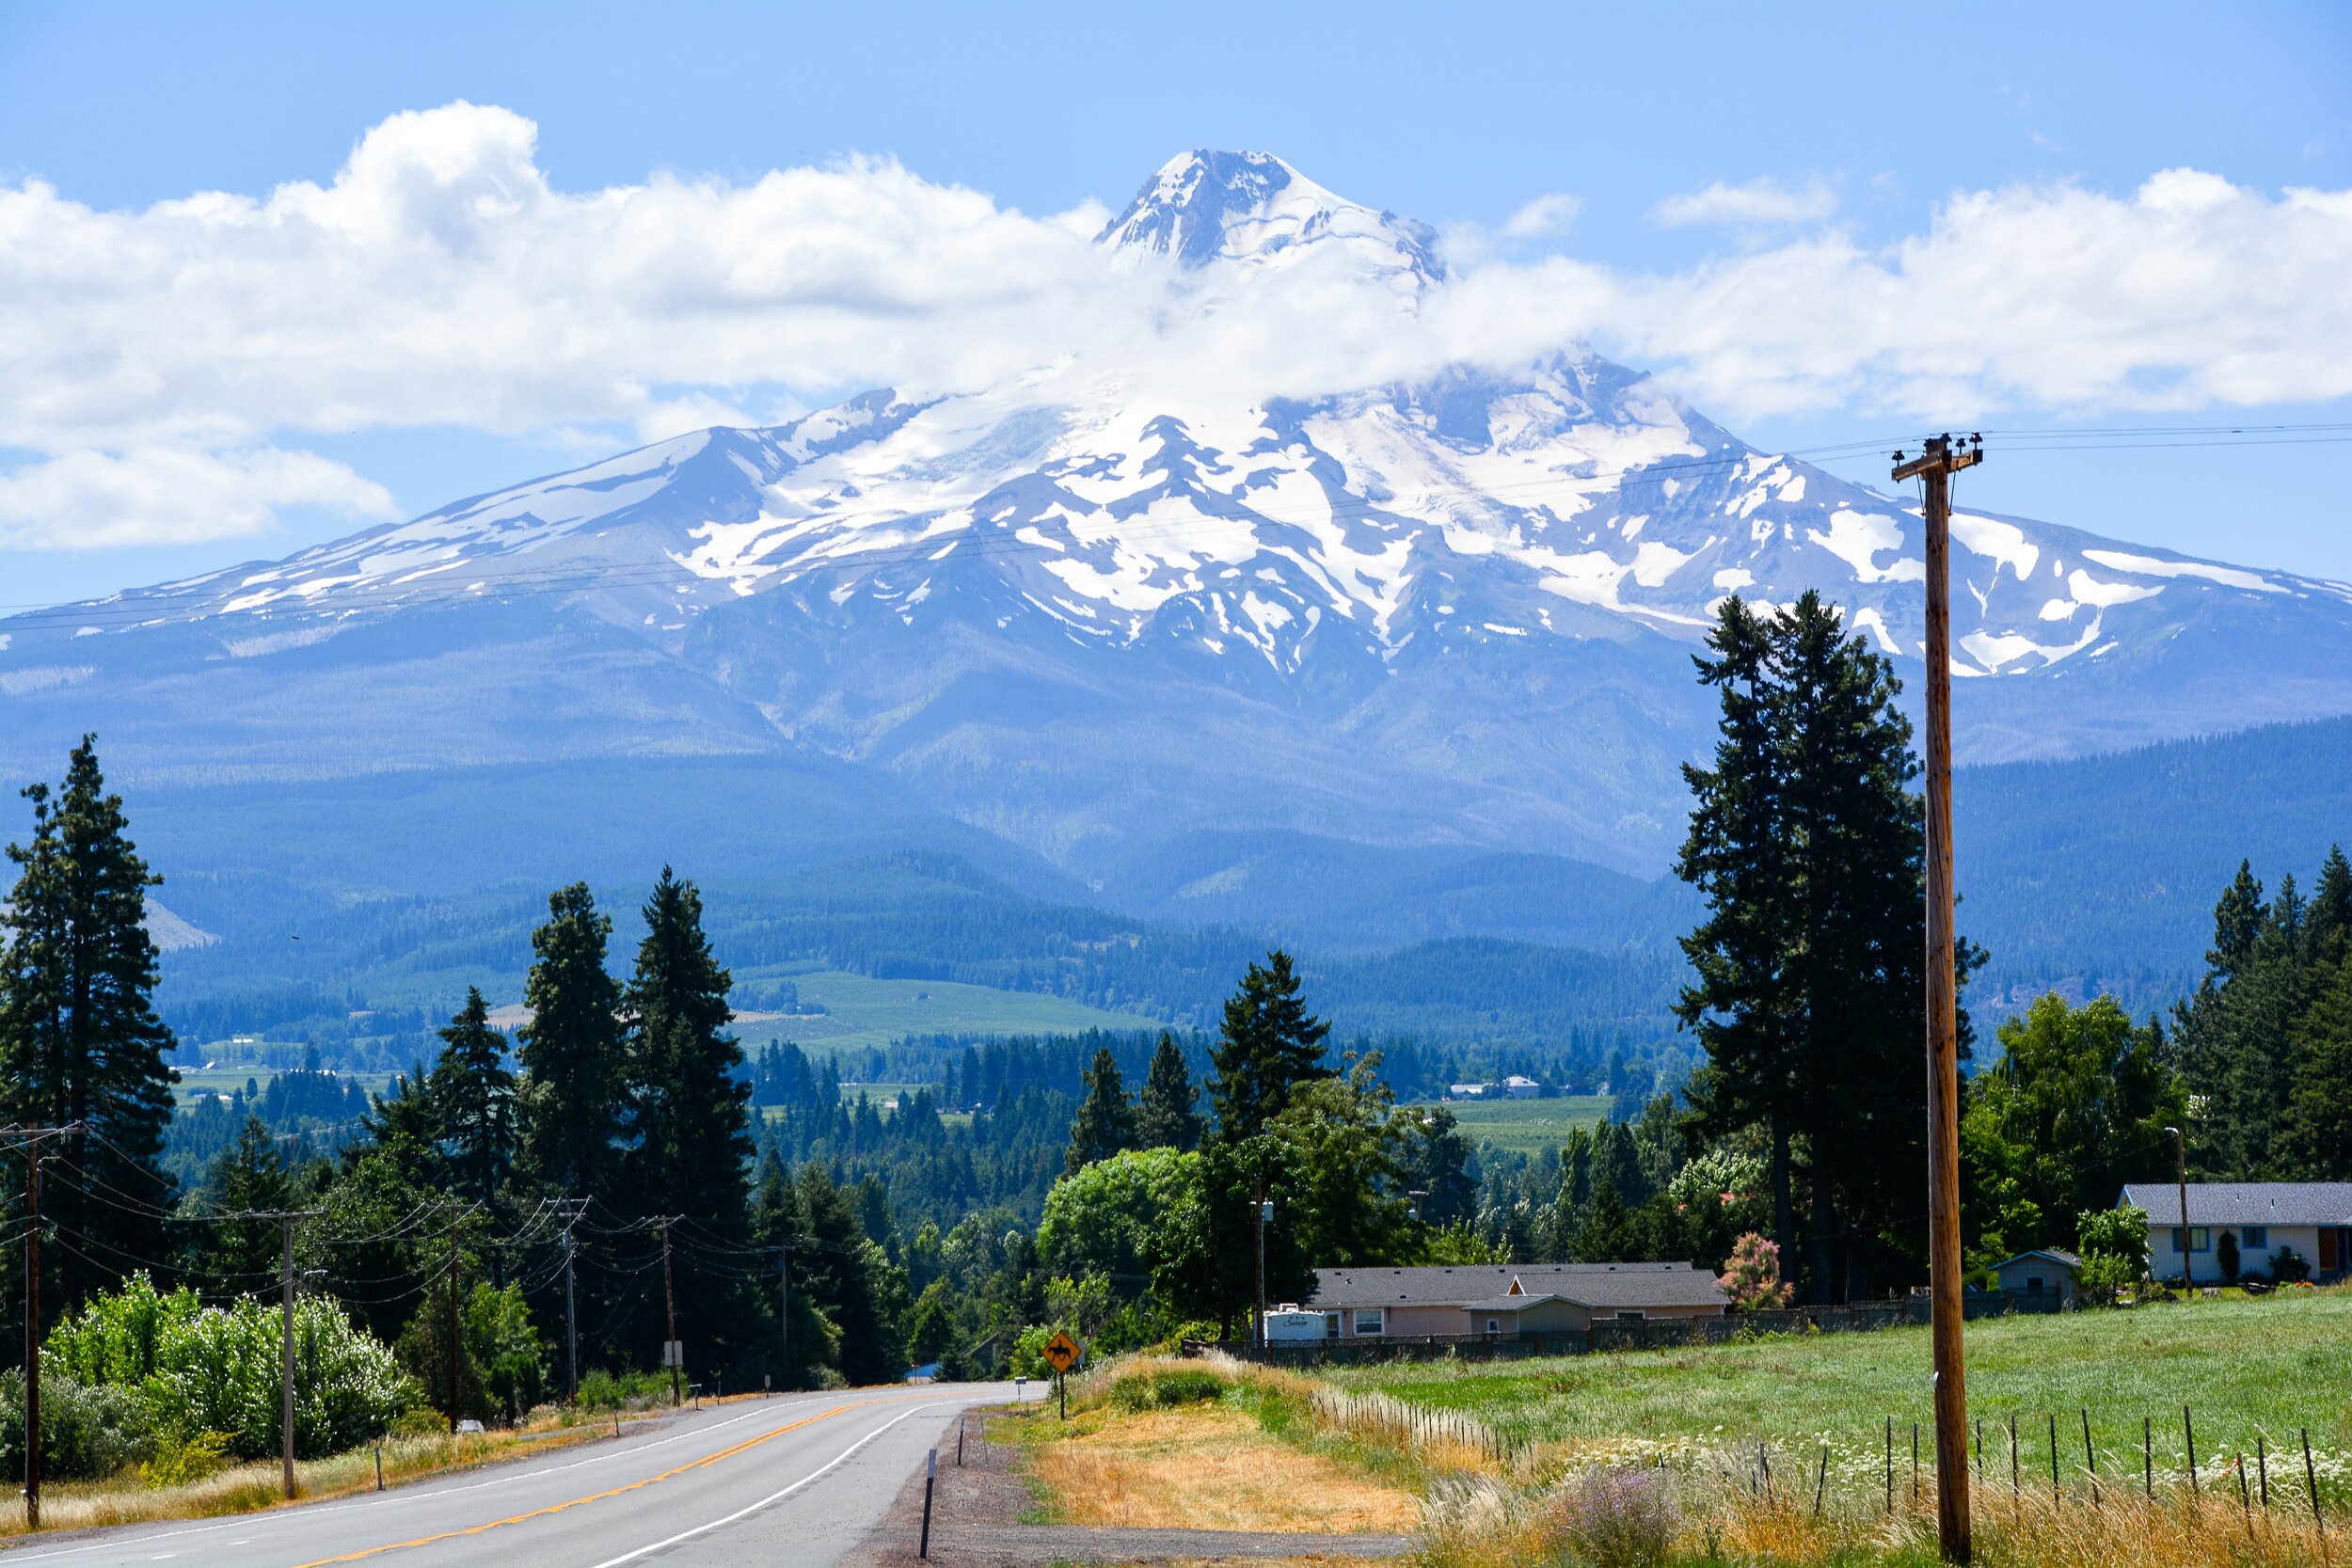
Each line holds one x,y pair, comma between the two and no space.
165,364
1546,215
1758,203
168,495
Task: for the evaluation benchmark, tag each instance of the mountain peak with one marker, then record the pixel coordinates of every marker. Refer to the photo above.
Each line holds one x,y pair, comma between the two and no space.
1207,206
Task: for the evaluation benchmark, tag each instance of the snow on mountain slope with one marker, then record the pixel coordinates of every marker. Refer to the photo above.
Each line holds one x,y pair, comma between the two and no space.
1089,603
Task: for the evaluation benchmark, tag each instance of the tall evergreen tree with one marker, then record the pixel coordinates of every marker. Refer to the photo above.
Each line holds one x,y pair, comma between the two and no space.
79,1038
1165,1117
1810,847
1106,1123
474,1096
570,1099
688,1092
244,1255
1269,1045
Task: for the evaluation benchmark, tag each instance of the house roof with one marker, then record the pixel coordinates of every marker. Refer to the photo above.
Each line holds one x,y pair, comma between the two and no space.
2051,1253
1488,1287
2245,1202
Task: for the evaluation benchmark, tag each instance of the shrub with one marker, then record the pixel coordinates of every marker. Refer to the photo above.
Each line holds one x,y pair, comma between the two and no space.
183,1462
1751,1275
1160,1390
2226,1254
2121,1232
88,1431
191,1368
2289,1267
1616,1518
2104,1275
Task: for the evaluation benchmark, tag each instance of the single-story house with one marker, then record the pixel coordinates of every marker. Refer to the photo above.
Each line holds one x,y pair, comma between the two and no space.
2314,1219
1519,1086
2040,1269
1459,1300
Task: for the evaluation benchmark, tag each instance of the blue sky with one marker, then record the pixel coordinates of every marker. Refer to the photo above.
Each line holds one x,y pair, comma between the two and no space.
1860,123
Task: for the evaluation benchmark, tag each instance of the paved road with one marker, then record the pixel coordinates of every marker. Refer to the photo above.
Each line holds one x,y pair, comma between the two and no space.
796,1481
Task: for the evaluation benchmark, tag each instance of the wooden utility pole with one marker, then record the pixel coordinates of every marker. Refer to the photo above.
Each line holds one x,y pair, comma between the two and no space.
1261,1209
1936,466
572,1210
783,1303
454,1217
285,1218
672,1352
2180,1178
30,1139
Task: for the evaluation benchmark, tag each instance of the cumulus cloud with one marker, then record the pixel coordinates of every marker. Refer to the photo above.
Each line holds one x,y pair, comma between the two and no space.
1546,215
165,365
1758,203
171,495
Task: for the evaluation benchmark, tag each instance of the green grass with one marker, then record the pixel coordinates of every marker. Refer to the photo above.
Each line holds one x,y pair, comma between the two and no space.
2276,1365
1525,1126
862,1011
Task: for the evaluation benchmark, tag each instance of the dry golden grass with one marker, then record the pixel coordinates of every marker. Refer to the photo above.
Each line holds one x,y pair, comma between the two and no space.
246,1488
1207,1468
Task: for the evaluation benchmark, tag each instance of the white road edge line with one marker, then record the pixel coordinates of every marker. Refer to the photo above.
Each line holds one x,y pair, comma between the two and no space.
771,1497
523,1470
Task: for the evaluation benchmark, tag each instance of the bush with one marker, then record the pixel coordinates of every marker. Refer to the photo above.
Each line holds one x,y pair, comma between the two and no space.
2104,1275
192,1368
183,1461
600,1390
2226,1254
2121,1232
2289,1267
88,1431
1617,1518
1751,1275
1161,1390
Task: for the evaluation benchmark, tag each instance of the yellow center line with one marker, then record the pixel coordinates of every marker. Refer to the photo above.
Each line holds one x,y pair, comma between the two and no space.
729,1452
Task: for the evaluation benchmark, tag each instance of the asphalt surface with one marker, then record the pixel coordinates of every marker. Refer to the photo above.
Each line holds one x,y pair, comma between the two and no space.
796,1479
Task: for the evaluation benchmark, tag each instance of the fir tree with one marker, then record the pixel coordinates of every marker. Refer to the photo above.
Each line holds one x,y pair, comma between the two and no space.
1444,1169
1165,1117
570,1106
687,1097
244,1256
2316,1139
1106,1123
1268,1046
79,1038
1736,855
474,1098
1607,1232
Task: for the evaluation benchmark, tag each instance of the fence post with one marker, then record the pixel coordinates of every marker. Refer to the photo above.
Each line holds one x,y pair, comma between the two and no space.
2147,1453
2188,1428
2311,1479
2012,1454
1890,1467
2091,1459
2054,1475
2244,1501
1820,1483
2262,1466
931,1473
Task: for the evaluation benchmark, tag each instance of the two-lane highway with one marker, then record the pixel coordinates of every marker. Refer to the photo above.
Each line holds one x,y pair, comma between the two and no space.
795,1480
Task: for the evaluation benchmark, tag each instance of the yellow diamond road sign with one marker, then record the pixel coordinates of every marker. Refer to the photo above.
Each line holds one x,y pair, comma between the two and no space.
1062,1352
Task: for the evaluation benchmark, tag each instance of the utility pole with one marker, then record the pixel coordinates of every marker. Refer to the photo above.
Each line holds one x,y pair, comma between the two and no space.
572,1208
455,1214
285,1218
1263,1212
672,1351
2180,1178
1936,466
30,1139
784,1302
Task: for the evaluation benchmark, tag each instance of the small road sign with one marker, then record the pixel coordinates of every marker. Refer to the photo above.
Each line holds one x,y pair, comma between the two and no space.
1062,1352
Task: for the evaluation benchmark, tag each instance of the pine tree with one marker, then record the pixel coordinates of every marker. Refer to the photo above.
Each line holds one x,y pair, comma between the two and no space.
474,1096
244,1255
79,1038
687,1098
1106,1123
1165,1117
570,1106
2316,1138
1269,1045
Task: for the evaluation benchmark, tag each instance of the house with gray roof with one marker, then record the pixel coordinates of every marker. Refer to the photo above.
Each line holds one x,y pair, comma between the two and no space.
2311,1219
1460,1300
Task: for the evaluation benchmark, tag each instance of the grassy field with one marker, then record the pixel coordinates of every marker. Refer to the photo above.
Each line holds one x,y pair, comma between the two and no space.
862,1011
2274,1366
1526,1126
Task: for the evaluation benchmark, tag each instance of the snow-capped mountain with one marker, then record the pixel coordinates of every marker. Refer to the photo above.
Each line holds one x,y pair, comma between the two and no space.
1083,611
